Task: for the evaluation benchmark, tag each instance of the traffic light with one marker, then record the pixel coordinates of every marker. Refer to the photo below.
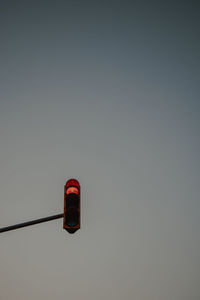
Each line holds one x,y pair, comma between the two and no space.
71,220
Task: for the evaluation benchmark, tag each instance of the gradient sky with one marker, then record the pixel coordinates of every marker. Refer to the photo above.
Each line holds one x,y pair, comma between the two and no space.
108,93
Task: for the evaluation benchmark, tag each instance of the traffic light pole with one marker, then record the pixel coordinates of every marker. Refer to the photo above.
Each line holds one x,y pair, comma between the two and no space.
33,222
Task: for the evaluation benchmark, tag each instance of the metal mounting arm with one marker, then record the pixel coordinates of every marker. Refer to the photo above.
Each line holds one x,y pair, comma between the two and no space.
33,222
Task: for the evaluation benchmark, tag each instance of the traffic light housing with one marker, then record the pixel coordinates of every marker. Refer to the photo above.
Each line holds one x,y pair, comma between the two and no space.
71,220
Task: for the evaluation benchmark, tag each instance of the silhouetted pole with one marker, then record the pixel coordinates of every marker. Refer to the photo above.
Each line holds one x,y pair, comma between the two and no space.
33,222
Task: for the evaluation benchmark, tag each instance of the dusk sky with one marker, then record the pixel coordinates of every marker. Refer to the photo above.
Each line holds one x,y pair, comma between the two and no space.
106,92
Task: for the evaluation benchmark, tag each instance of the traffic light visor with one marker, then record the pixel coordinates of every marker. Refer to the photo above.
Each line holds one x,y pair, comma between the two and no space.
72,182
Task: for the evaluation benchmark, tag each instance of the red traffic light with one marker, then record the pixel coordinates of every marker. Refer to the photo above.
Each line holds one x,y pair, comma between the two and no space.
71,220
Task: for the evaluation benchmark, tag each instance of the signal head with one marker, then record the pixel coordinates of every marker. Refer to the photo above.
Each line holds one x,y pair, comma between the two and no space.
71,221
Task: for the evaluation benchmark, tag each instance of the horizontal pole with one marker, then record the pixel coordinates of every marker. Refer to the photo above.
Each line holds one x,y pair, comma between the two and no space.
29,223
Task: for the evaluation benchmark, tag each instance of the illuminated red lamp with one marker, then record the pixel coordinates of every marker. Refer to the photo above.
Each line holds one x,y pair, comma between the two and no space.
71,220
72,189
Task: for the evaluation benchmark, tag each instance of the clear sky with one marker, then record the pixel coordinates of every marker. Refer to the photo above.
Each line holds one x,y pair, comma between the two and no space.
106,92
